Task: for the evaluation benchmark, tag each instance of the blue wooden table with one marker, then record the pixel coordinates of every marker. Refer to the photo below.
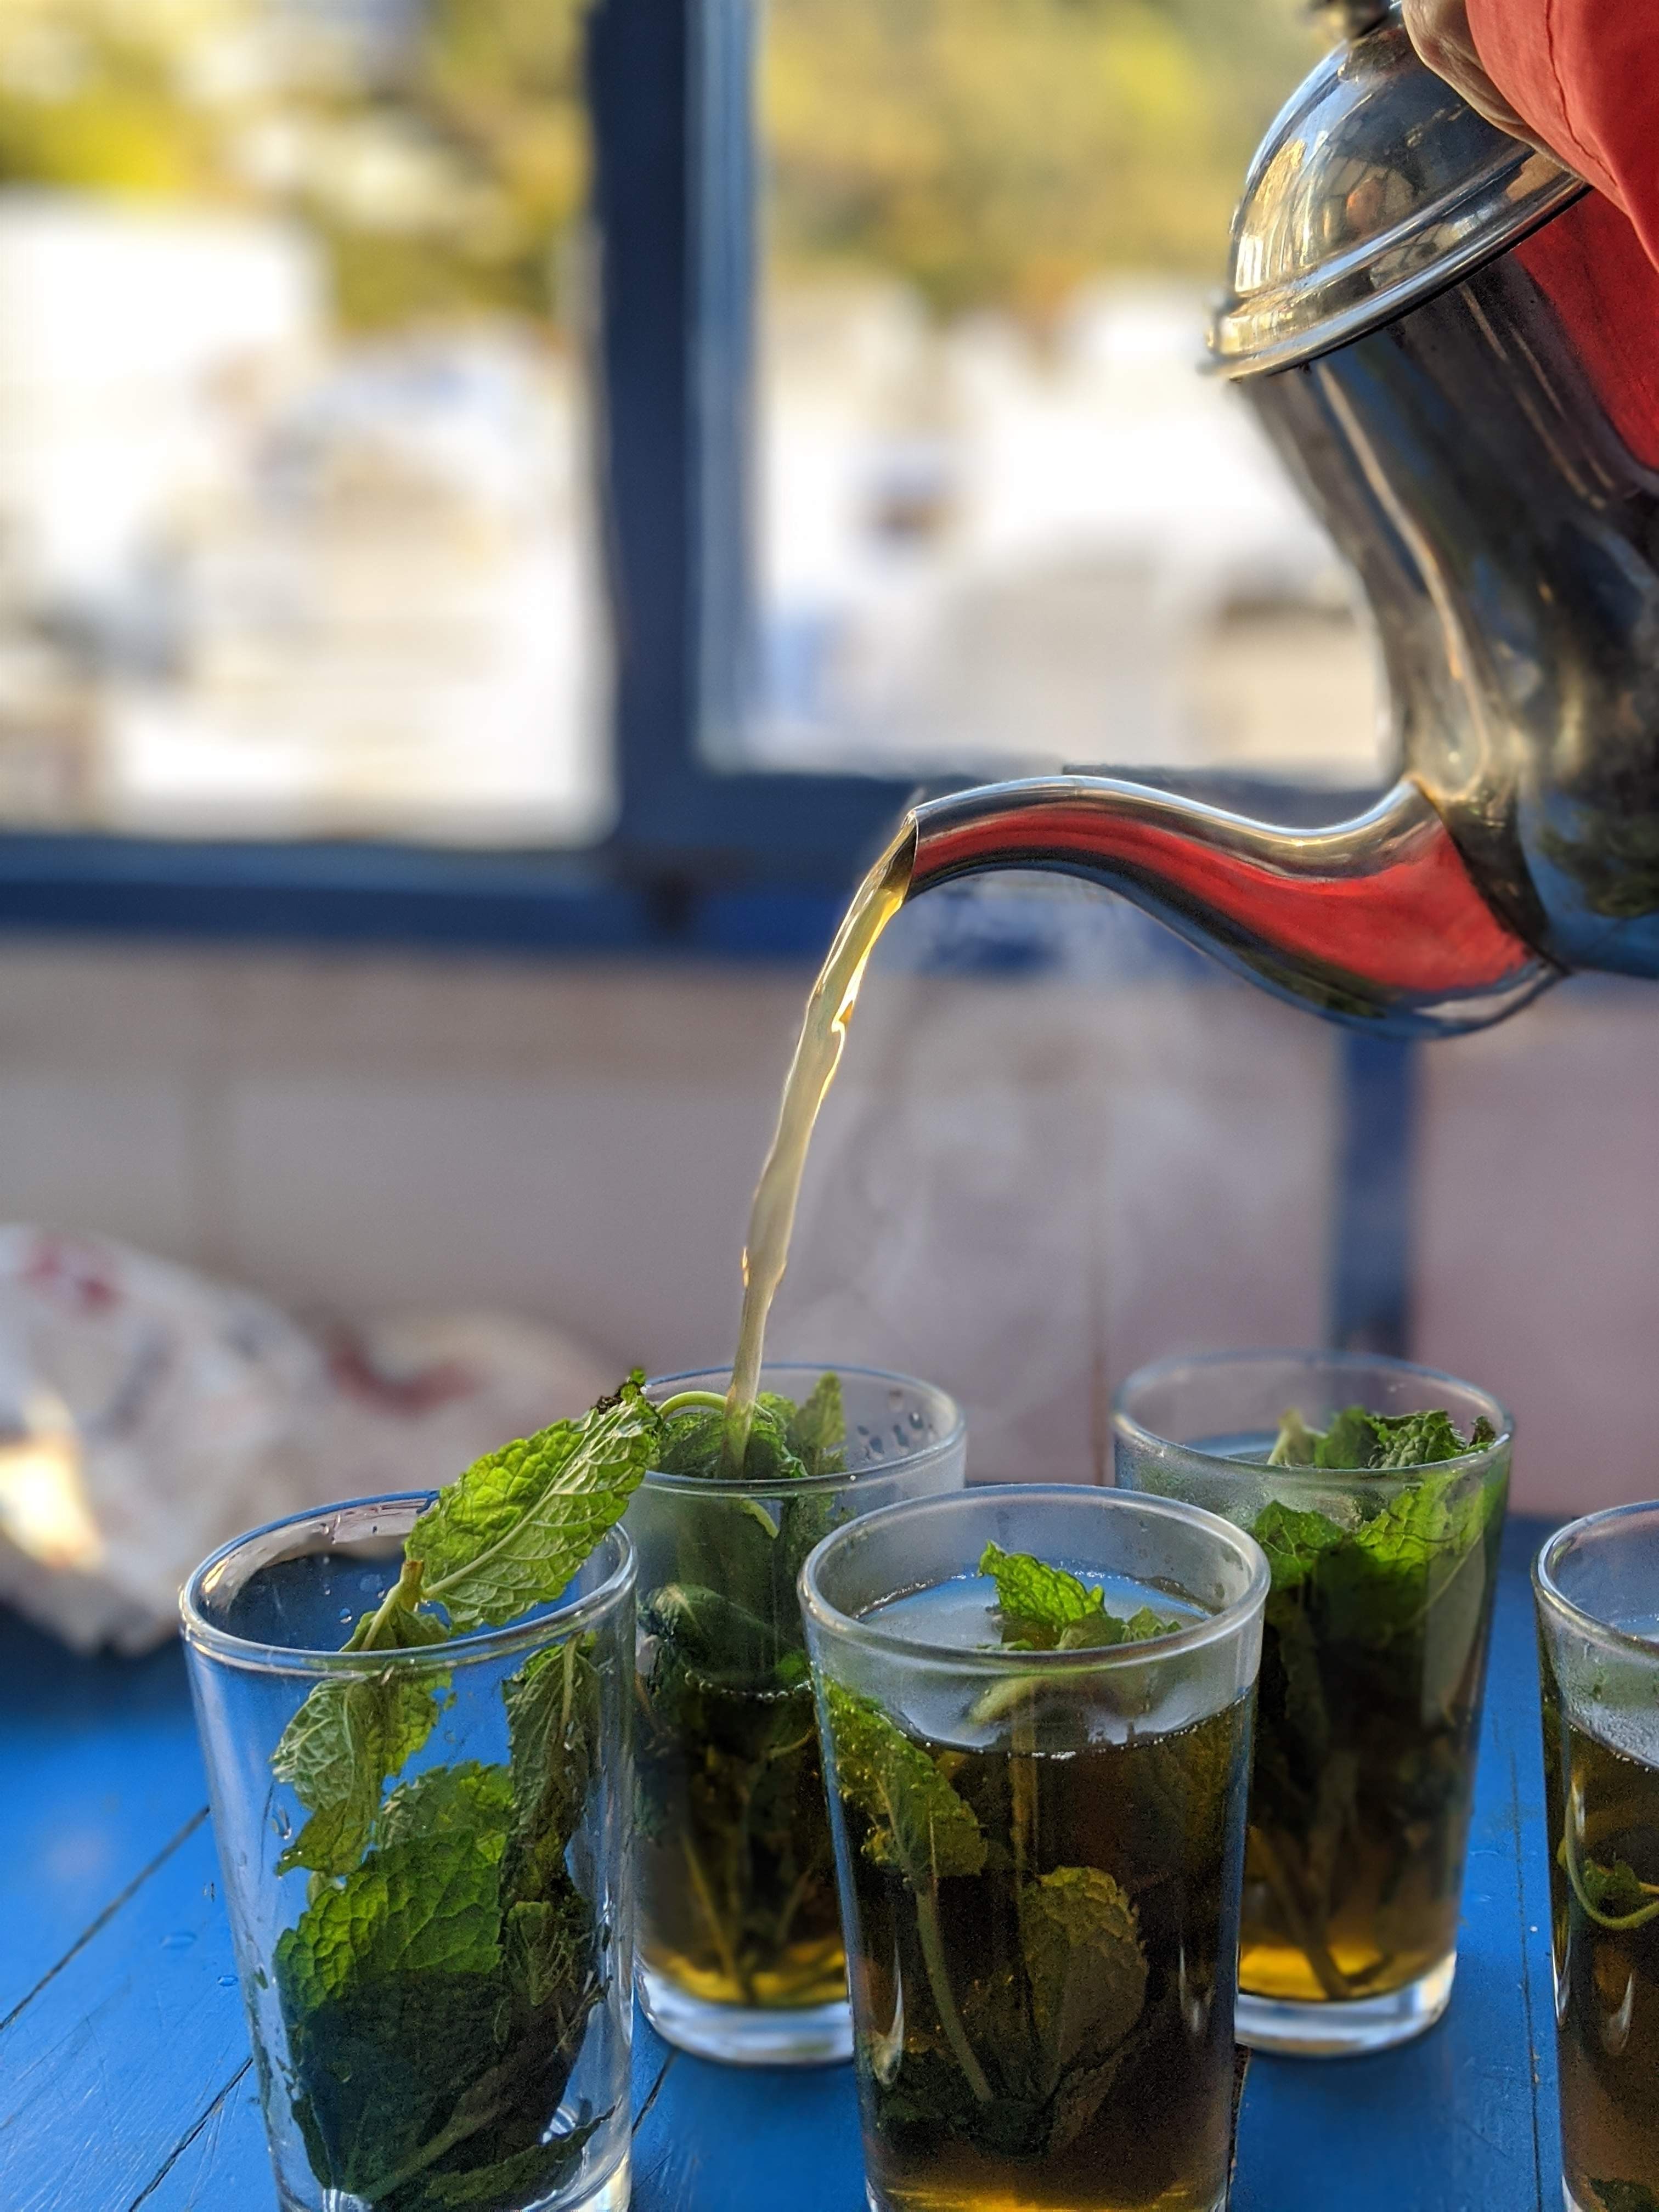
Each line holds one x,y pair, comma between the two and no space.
124,2077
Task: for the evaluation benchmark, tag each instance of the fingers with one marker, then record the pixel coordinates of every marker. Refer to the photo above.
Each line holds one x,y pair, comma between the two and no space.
1439,29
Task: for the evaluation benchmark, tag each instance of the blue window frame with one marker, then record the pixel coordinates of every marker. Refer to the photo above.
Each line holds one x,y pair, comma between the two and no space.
701,858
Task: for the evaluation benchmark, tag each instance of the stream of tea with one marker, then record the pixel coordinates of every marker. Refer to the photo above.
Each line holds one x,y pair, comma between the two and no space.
818,1053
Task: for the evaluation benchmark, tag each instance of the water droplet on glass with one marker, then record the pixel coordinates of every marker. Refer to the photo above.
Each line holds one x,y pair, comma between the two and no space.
208,1892
180,1939
283,1825
878,1449
345,1612
227,1981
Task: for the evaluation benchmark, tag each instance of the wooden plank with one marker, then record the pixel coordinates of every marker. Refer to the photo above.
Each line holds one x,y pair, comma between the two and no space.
99,1764
224,2161
122,2081
123,2050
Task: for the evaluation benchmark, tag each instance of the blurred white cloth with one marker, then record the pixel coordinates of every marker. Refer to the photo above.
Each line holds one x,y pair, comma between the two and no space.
149,1413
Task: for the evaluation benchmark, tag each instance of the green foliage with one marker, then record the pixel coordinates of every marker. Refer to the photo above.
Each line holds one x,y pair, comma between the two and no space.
1088,1972
436,1990
917,1821
1044,1609
345,1740
1357,1441
515,1528
998,152
1373,1634
1031,2047
1625,2197
729,1781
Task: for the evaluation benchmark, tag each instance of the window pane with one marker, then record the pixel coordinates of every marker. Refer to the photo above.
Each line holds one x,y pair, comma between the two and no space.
295,513
1000,517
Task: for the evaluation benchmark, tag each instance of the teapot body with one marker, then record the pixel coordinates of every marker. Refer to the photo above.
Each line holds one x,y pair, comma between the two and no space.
1455,346
1488,462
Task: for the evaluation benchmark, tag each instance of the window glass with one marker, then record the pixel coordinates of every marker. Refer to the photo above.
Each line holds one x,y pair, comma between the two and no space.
1000,517
294,512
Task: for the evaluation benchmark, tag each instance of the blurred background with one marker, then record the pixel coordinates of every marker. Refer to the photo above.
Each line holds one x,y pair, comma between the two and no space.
337,551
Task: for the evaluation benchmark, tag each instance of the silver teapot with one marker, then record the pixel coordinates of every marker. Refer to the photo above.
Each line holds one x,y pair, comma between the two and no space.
1455,345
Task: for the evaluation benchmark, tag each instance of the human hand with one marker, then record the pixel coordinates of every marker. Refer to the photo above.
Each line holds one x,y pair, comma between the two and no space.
1439,29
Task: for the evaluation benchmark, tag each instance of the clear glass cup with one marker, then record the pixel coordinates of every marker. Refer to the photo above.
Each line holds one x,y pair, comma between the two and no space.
1368,1712
740,1954
448,2021
1039,1852
1596,1586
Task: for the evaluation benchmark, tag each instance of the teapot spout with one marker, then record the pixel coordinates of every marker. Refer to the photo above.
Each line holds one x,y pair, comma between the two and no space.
1375,921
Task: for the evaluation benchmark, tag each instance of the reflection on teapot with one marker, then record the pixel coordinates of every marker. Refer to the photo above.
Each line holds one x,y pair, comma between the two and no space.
1455,346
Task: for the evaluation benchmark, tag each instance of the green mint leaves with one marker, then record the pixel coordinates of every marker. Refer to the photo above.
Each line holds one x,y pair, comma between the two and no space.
1034,2048
336,1751
1088,1971
515,1528
738,1876
1374,1633
786,1440
917,1821
1044,1609
1625,2197
507,1535
436,1988
1358,1442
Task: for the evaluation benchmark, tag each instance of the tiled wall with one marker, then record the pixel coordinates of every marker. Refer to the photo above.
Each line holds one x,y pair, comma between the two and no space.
1022,1187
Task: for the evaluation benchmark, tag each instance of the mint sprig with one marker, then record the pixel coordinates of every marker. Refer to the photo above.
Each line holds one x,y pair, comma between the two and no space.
506,1535
437,1986
1045,1608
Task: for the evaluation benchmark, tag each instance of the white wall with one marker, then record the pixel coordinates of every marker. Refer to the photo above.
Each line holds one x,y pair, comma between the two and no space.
1021,1189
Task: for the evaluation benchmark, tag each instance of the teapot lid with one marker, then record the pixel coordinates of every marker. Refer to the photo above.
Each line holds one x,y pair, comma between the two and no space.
1376,186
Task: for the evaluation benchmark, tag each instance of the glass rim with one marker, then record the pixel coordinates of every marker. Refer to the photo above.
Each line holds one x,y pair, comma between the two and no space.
716,1485
479,1644
1547,1591
857,1629
1124,1423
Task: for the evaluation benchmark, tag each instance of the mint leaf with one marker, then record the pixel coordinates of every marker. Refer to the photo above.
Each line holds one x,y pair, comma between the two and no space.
1358,1442
1081,1938
513,1529
1615,1890
818,1428
1351,1441
554,1728
719,1640
1096,1630
1625,2197
1416,1440
546,1943
1044,1609
1294,1541
524,2178
1037,1603
1297,1444
918,1822
426,1901
337,1751
693,1443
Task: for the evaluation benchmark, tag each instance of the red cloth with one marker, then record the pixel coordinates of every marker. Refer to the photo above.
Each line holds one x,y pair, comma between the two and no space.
1585,75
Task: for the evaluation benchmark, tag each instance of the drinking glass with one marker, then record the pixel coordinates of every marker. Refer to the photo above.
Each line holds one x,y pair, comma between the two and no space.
443,2017
1596,1587
1039,1852
1374,1658
740,1952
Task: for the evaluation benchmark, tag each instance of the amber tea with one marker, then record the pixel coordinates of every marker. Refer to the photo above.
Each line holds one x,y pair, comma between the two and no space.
738,1931
1604,1906
1598,1635
1041,1866
1382,1530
